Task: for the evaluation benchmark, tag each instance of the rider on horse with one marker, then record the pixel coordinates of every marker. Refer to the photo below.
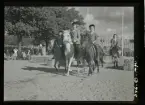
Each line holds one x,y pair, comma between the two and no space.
76,38
114,43
94,37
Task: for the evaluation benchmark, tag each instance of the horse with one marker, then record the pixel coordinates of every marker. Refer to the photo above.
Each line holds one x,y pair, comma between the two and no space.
64,55
100,55
68,49
90,54
114,53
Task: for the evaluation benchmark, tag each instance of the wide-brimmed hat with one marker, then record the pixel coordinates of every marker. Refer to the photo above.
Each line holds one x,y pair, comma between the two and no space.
76,22
91,25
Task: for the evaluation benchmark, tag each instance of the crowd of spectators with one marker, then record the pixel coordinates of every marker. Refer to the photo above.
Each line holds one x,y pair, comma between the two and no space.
11,52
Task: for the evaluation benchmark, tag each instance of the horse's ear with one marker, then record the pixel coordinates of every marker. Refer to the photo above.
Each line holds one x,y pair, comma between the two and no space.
69,31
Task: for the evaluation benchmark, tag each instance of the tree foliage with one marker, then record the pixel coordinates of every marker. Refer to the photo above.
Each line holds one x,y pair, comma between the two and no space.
42,23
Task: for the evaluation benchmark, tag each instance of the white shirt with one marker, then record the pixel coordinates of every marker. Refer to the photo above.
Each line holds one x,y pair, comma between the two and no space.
15,52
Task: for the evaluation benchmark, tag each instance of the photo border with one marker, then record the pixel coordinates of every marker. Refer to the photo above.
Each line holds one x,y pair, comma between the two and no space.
137,45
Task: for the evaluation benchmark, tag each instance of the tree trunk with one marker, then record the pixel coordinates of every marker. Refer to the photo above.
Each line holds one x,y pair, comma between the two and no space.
19,42
46,46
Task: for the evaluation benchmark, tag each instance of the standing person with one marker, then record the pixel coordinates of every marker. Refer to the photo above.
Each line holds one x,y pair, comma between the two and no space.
7,53
24,55
40,49
114,42
15,53
76,39
58,42
29,55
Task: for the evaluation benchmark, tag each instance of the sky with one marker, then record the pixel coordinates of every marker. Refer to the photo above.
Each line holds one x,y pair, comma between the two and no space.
108,20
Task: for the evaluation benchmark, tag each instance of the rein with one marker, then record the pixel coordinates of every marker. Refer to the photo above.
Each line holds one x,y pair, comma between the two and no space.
68,42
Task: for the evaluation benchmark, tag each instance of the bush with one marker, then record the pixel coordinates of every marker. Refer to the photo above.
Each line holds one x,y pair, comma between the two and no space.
10,40
128,52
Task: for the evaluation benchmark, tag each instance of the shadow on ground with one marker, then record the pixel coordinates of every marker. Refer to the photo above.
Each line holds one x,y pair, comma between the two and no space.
112,67
73,65
50,70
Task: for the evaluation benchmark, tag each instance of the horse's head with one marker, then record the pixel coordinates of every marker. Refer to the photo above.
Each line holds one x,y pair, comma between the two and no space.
84,40
67,37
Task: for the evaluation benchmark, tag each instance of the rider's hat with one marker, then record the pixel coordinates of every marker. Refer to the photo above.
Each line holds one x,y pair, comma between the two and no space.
60,31
76,22
92,25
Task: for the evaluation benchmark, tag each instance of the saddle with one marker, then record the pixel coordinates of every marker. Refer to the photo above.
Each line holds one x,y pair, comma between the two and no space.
116,50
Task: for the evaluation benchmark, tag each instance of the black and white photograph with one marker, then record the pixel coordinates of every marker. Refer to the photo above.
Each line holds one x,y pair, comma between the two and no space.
68,53
144,24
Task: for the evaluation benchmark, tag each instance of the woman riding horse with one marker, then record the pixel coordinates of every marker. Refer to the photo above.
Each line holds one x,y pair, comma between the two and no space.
114,50
114,43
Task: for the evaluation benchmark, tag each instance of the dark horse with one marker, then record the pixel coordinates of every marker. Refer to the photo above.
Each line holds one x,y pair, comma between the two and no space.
115,55
90,54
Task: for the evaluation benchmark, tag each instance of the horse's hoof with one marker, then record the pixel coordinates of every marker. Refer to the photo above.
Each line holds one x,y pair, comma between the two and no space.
67,74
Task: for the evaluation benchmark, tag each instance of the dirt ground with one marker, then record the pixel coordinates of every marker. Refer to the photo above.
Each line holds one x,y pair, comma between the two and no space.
34,81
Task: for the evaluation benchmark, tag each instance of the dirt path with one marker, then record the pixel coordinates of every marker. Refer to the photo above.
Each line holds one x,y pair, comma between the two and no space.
31,81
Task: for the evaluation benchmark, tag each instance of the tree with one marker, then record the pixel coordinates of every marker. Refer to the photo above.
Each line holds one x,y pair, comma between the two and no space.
17,22
54,19
43,23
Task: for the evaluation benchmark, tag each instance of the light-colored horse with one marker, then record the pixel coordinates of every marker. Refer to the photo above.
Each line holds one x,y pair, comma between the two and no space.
68,50
65,54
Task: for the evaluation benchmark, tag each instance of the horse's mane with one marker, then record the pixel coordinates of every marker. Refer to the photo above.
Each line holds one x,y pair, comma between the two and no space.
69,40
86,37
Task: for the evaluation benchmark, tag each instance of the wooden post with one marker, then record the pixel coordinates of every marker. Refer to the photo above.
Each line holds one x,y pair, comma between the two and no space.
122,29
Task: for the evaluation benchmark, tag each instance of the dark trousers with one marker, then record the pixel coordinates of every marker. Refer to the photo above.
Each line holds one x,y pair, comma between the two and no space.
76,50
111,51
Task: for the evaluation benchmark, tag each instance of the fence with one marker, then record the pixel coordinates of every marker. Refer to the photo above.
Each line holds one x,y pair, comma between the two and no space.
128,45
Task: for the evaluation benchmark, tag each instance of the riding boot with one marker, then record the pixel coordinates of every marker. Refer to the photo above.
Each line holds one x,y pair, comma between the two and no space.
52,57
118,54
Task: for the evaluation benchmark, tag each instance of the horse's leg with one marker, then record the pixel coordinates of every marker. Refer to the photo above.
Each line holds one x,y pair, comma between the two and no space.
113,61
55,63
97,64
92,66
78,70
70,62
98,67
89,64
102,62
58,65
89,69
101,59
83,64
66,68
117,62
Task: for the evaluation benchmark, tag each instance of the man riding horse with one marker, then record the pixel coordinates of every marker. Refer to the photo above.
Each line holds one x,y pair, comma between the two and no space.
76,38
94,38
